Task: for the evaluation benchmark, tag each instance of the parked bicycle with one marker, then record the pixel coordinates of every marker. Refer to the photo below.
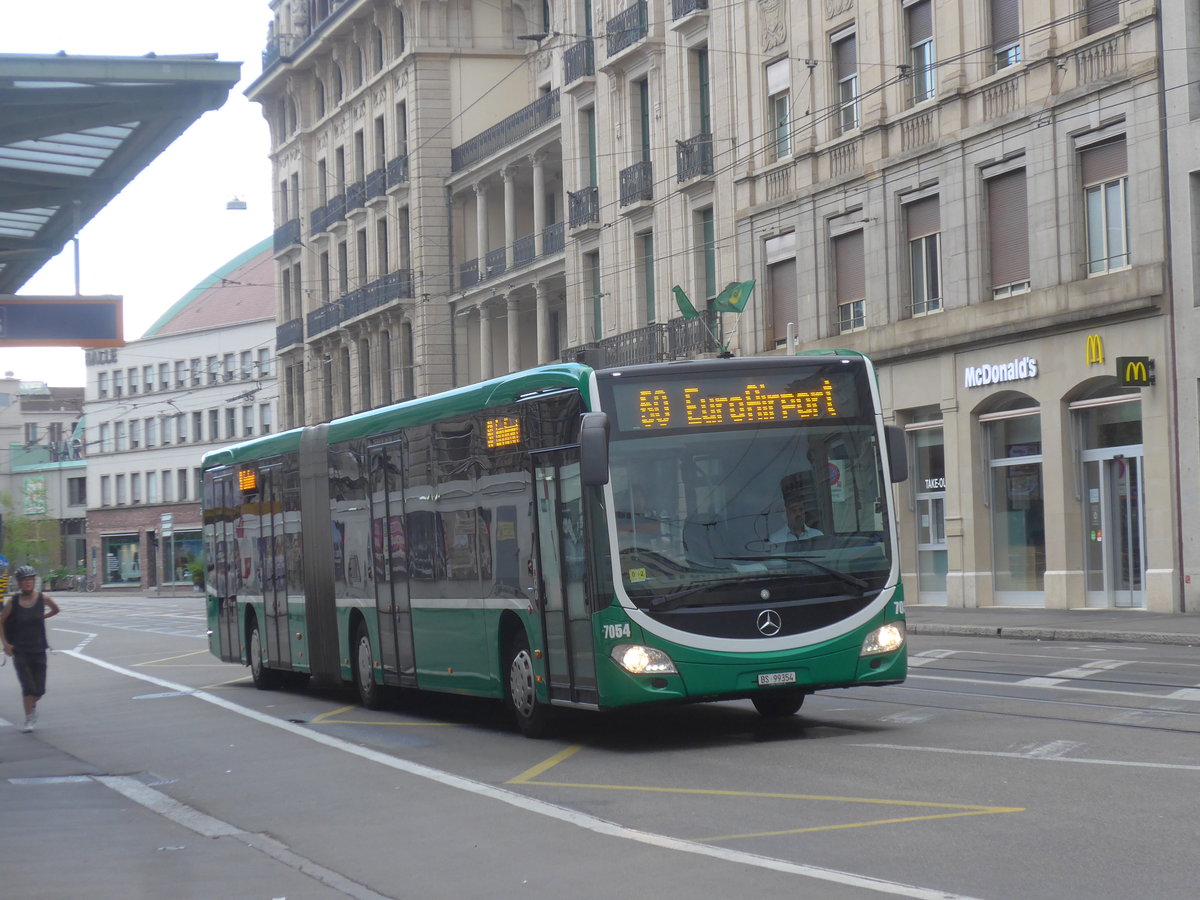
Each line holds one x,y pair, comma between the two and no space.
84,583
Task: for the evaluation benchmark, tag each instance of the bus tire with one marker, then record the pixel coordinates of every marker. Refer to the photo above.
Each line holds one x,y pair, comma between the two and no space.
265,679
370,694
532,716
778,704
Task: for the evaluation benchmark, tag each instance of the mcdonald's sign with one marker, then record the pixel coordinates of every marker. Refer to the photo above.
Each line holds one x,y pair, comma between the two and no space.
1095,350
1135,371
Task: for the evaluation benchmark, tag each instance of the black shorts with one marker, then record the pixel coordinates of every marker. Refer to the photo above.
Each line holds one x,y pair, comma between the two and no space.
31,673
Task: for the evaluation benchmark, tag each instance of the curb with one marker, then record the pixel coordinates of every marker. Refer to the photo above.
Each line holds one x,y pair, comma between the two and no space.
1054,634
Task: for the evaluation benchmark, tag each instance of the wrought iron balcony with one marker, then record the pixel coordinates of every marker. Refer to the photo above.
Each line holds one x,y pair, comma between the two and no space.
552,239
681,8
677,339
335,210
496,262
504,134
637,183
524,250
627,27
376,183
356,195
316,221
583,207
579,61
287,234
693,157
289,333
327,317
468,274
397,170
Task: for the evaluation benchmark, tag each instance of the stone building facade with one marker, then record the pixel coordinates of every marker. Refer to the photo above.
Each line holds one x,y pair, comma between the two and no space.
974,194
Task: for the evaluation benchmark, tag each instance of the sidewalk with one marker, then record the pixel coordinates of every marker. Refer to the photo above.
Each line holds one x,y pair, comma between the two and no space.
1121,625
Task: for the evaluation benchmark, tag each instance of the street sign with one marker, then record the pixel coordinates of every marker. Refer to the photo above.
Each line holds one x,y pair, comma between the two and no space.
56,321
167,525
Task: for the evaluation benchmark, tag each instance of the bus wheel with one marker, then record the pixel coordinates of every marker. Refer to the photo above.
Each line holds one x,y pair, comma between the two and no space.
533,717
777,704
363,664
264,679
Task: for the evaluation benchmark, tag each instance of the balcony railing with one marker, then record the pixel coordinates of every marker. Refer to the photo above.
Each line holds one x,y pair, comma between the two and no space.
326,318
524,250
552,239
677,339
496,262
287,234
579,61
637,183
397,170
681,8
468,274
289,333
627,27
693,157
504,134
356,195
376,183
583,207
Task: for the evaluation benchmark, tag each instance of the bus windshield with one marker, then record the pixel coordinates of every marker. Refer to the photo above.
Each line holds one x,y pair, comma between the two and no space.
718,502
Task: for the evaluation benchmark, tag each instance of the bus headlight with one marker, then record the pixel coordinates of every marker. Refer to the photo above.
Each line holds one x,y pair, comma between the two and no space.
884,639
639,660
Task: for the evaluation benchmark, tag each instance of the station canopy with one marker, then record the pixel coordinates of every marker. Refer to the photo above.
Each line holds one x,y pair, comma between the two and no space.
74,130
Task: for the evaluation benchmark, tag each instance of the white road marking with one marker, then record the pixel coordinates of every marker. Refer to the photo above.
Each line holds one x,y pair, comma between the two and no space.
541,807
1133,764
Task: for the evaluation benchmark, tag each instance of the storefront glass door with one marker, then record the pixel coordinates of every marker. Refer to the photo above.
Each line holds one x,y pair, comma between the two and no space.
1114,531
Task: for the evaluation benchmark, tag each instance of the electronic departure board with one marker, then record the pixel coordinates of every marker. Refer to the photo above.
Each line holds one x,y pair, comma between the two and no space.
753,398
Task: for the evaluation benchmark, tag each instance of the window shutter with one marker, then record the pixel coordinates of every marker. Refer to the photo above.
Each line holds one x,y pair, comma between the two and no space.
920,22
922,218
1102,14
1008,223
846,54
778,77
1006,22
849,268
783,296
1104,162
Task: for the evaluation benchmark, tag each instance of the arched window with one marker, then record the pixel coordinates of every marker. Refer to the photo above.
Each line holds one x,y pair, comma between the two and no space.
358,67
376,50
398,32
319,97
337,83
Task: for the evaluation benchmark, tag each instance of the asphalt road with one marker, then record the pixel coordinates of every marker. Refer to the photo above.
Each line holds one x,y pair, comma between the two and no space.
1001,769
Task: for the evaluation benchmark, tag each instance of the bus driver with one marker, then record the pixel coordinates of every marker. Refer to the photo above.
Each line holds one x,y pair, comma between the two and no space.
797,528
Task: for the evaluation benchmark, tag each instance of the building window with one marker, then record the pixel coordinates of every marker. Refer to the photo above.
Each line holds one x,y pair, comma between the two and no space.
119,493
703,91
166,430
1006,33
591,266
31,432
135,487
76,492
919,17
166,485
181,373
118,380
106,490
779,106
230,423
150,432
344,372
121,564
106,444
133,380
851,285
214,424
1105,172
845,62
135,434
151,487
706,241
197,427
924,250
780,254
164,376
247,421
102,384
119,432
1008,233
264,418
645,251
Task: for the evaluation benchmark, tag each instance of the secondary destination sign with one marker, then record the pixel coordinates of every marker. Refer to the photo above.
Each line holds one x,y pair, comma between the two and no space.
60,321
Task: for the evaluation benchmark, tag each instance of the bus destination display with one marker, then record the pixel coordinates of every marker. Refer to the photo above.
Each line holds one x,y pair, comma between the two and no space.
732,402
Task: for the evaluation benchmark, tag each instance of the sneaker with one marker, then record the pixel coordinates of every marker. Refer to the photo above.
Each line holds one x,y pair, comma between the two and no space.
32,718
29,722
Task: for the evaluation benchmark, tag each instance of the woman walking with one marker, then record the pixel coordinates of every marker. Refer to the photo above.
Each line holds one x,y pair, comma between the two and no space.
23,629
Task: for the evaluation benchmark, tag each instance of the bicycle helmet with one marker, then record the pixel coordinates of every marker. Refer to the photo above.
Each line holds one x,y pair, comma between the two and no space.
24,572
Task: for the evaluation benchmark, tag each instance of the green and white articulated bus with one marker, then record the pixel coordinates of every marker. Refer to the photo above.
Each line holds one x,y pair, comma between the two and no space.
573,537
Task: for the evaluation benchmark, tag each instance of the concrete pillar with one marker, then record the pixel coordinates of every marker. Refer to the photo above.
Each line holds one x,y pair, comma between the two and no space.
510,214
539,200
543,321
481,237
485,342
514,334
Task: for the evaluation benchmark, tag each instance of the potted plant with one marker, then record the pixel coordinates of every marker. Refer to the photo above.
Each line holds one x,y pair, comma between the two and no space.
57,577
195,570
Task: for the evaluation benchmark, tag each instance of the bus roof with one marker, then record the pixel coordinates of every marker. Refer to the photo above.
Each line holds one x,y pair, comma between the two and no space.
457,401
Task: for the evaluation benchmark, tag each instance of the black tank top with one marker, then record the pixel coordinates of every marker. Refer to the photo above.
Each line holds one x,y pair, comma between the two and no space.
26,627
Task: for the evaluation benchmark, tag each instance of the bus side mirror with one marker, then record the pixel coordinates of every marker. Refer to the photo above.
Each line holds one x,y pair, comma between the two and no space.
593,448
897,453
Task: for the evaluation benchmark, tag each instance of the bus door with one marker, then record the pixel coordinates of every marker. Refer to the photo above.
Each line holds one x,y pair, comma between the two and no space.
565,610
273,568
220,509
389,563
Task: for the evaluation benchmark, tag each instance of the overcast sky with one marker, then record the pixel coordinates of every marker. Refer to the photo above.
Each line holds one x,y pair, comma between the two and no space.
169,228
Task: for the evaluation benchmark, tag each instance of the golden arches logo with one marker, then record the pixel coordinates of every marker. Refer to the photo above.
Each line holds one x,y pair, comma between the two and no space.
1095,350
1135,371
